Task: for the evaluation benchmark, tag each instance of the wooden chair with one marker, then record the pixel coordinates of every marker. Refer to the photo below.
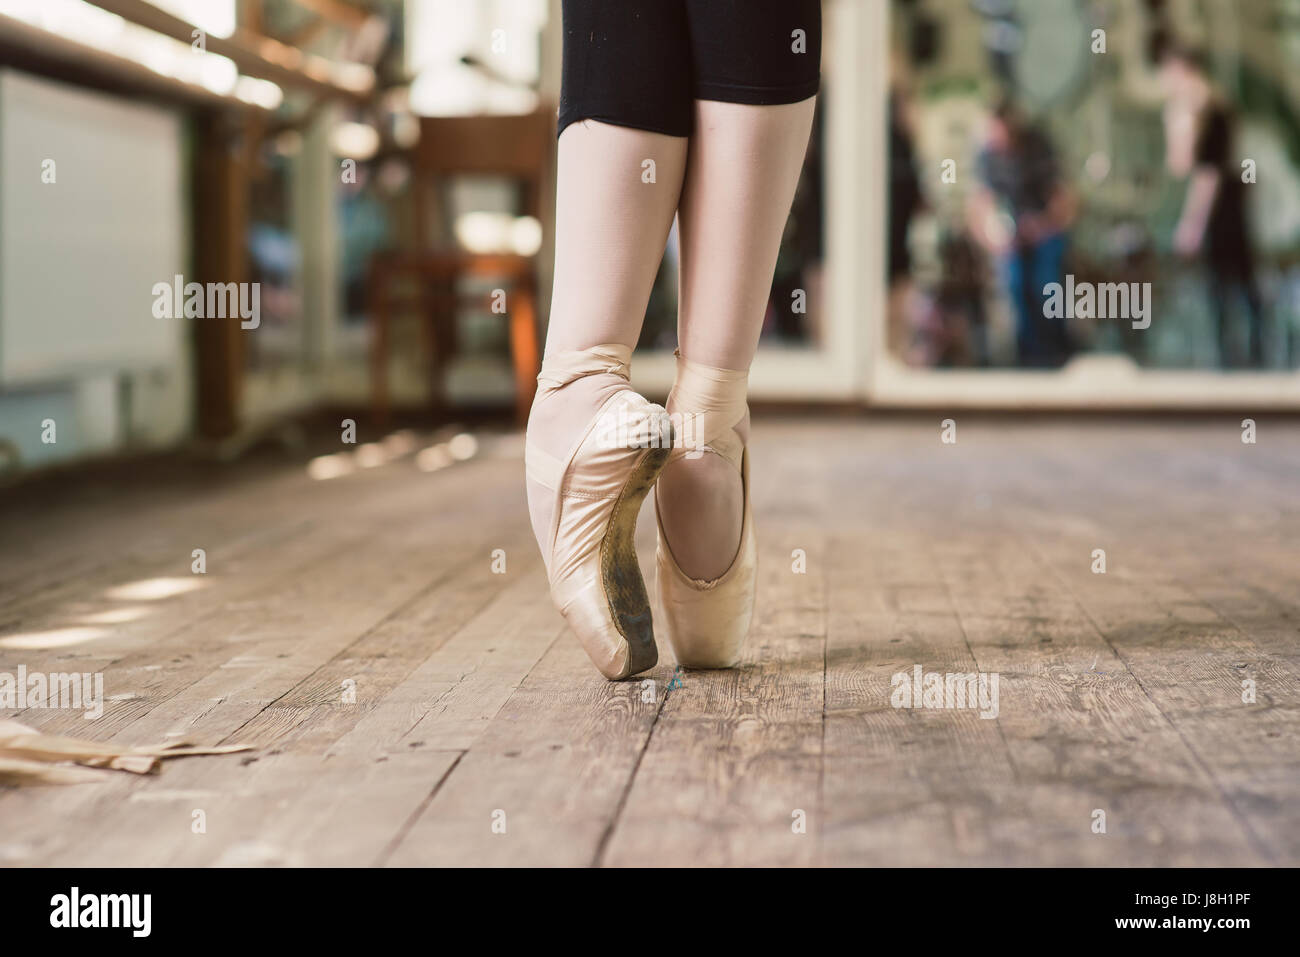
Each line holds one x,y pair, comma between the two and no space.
514,147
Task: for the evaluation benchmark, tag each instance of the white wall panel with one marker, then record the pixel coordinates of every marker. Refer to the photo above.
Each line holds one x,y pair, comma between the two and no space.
79,257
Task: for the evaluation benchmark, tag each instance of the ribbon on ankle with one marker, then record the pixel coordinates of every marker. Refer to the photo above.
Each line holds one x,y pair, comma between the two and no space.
710,402
561,368
558,370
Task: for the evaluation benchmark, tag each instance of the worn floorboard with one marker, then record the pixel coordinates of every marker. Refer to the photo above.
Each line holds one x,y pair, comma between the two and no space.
385,641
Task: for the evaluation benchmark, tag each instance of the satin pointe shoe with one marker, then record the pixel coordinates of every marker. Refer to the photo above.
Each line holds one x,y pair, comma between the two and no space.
598,489
707,621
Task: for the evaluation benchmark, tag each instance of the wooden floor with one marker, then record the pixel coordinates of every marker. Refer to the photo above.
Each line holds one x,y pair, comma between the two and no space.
1119,692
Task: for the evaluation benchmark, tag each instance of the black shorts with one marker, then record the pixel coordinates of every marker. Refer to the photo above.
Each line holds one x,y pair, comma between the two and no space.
642,63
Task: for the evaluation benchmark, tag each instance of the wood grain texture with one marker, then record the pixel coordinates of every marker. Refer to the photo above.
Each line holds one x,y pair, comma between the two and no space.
480,734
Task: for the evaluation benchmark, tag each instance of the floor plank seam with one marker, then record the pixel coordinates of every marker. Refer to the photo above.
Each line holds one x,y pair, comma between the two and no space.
211,613
1257,843
421,594
965,637
607,834
409,823
214,612
1282,663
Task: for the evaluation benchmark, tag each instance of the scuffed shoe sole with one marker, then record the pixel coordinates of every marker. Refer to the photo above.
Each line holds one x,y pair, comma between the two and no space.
629,604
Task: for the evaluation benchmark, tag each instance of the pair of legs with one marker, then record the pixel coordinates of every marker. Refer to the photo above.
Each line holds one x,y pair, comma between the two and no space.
1040,340
730,184
699,110
1237,284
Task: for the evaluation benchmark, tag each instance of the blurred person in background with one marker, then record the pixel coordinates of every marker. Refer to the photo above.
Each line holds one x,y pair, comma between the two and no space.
1020,215
906,199
1200,146
959,302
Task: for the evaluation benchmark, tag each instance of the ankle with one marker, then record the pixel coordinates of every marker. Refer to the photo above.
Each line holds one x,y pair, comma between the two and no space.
558,415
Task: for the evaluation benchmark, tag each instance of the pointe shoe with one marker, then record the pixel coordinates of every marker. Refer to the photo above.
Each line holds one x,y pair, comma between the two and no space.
591,562
707,621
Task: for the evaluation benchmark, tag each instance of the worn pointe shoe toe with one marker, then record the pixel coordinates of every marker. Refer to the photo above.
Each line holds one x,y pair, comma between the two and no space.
598,487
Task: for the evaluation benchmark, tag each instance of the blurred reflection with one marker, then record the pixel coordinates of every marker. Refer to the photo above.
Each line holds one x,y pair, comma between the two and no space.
1200,142
906,199
1020,215
1121,148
